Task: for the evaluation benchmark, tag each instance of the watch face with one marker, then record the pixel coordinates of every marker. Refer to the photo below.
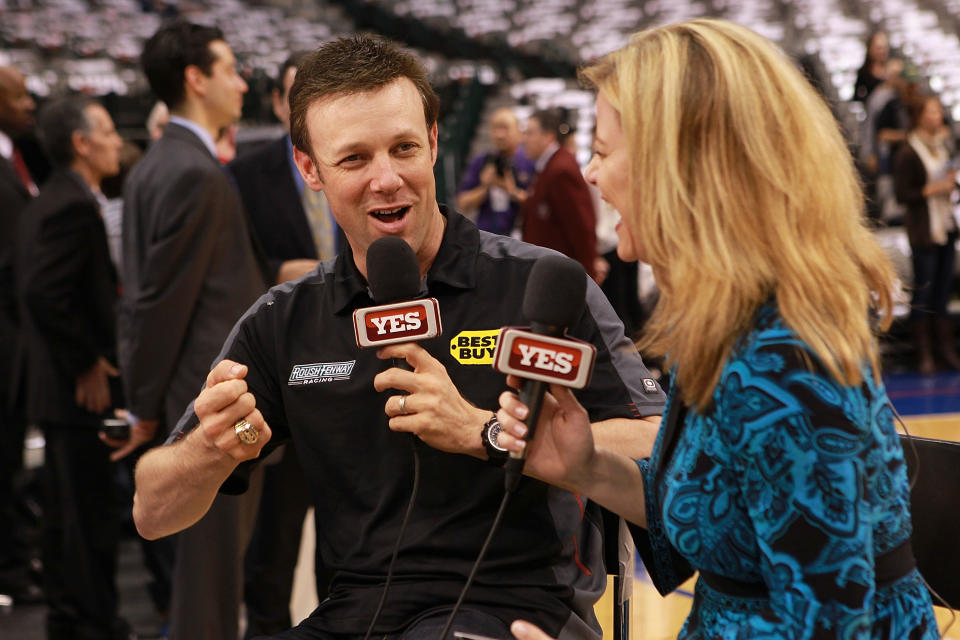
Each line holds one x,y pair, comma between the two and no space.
493,436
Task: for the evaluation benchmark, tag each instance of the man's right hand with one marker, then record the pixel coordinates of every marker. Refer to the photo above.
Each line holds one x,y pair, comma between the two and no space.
141,432
92,389
223,402
176,484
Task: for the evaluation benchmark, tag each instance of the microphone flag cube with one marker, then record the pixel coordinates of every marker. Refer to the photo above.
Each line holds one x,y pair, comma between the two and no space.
407,321
534,356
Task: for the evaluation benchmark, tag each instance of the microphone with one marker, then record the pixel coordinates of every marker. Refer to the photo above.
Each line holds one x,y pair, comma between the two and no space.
554,299
394,278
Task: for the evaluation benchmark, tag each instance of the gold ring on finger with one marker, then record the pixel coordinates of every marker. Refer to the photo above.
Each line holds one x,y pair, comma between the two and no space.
246,432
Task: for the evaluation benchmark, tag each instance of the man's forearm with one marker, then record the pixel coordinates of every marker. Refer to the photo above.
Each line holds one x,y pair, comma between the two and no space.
176,484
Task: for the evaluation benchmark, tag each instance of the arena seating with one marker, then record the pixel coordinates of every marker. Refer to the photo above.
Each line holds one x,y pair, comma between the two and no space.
481,53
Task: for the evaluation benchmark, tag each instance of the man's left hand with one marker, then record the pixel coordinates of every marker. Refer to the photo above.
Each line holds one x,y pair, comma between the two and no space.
523,630
432,407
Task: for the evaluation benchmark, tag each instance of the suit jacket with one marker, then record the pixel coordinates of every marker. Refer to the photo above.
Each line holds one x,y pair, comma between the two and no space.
190,270
559,214
272,202
13,198
68,292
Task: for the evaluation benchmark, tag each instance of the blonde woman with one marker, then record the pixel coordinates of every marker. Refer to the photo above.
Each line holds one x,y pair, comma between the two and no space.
777,472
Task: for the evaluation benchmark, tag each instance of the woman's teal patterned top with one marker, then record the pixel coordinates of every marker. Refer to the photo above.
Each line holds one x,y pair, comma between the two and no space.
792,481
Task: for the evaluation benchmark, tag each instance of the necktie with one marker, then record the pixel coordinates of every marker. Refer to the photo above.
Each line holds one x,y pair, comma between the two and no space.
318,214
21,168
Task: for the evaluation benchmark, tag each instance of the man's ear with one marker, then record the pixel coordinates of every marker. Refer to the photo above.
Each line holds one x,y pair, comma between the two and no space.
195,80
308,169
81,145
276,101
432,136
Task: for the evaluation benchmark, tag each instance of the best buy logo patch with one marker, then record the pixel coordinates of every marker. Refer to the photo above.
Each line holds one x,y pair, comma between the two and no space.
474,347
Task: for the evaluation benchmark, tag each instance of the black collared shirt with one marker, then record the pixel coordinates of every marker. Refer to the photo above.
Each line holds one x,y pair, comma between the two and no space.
315,386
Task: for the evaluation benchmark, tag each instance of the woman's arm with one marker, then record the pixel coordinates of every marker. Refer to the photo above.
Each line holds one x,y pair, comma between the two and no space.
563,451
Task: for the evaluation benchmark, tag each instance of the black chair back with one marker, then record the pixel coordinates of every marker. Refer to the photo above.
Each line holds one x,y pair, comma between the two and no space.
934,505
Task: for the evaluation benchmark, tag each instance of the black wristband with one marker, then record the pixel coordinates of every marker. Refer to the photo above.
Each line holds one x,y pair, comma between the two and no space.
490,434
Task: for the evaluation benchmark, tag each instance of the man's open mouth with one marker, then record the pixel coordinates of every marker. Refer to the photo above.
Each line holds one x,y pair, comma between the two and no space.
391,215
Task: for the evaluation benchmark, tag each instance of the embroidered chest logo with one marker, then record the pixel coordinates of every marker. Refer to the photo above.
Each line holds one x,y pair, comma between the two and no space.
474,347
320,372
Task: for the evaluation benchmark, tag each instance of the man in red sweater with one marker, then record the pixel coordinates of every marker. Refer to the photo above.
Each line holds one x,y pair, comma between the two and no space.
558,212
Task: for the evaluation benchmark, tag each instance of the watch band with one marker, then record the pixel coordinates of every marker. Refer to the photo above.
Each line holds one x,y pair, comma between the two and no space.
491,431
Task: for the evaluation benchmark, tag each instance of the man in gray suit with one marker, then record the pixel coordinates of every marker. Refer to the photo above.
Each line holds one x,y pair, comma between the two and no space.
190,270
68,288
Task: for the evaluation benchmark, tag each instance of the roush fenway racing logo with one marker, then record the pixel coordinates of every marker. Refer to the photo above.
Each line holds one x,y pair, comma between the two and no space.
320,372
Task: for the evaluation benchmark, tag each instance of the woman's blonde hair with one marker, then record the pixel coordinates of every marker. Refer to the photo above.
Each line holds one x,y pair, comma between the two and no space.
742,189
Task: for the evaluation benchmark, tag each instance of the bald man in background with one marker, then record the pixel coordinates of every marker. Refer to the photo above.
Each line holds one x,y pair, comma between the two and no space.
495,183
18,185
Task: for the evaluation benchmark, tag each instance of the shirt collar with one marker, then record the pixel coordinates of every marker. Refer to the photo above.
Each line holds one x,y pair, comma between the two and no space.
198,131
83,184
546,155
453,267
6,146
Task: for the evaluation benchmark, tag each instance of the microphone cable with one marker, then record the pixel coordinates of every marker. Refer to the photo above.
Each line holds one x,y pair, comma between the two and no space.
554,299
403,528
394,275
476,565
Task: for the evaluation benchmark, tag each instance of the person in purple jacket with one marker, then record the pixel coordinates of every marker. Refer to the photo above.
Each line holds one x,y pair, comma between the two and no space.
495,183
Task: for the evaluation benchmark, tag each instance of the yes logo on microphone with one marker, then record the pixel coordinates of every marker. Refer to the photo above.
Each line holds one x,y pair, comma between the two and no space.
399,322
535,356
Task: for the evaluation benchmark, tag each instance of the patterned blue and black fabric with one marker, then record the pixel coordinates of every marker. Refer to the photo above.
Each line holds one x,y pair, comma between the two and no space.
791,482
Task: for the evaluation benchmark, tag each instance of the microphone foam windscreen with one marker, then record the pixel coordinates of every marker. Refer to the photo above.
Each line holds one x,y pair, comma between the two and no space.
392,270
556,291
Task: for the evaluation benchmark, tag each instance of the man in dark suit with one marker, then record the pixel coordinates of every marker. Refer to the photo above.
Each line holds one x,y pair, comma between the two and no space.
17,186
273,195
190,270
68,290
558,212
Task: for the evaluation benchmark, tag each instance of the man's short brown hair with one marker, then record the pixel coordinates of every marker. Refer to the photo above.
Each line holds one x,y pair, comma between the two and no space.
348,65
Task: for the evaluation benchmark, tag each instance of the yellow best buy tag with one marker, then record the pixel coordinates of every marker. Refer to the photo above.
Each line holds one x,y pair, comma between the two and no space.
474,347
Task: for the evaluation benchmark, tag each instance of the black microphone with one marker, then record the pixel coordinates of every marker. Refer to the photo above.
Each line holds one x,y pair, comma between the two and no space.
393,275
554,299
392,270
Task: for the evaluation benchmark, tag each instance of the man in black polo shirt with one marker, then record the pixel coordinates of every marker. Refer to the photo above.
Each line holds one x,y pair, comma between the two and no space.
364,127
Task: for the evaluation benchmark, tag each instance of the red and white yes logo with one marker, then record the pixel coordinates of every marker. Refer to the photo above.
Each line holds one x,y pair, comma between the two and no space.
565,361
398,322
